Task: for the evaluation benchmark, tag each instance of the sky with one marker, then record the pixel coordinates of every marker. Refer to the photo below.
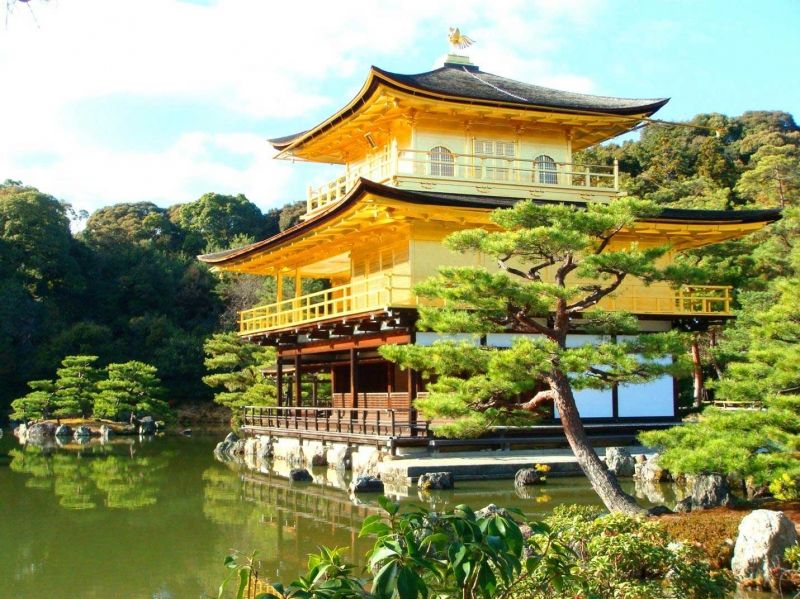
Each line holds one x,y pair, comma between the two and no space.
107,101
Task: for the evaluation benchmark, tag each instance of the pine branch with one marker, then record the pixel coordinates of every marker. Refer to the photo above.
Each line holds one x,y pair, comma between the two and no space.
598,294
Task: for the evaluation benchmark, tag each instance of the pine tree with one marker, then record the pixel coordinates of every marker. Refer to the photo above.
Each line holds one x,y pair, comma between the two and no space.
556,263
37,404
758,444
131,388
76,386
236,367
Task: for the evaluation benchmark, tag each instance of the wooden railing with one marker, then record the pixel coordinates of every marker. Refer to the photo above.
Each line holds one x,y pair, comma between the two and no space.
372,422
700,300
475,168
362,295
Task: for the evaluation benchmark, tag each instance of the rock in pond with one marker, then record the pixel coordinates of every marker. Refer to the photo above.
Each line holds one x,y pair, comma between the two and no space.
300,475
82,432
435,481
106,432
709,490
650,471
528,476
63,431
40,432
147,426
231,438
620,461
763,537
366,484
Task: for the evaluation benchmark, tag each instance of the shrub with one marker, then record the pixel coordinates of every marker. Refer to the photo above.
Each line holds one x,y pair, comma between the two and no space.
576,552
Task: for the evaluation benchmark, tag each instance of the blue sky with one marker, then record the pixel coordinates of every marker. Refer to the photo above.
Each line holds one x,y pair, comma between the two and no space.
163,100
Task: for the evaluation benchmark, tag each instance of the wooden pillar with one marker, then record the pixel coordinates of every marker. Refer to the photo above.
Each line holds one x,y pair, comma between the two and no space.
389,383
298,381
279,287
412,395
354,377
279,376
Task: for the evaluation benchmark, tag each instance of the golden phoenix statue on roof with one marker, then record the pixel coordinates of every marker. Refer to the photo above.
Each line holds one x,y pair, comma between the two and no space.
457,40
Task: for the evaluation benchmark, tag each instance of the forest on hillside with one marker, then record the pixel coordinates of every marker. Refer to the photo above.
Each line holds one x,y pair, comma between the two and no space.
127,286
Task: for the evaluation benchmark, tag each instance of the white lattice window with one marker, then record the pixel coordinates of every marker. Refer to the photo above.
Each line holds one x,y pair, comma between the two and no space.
496,158
546,170
442,162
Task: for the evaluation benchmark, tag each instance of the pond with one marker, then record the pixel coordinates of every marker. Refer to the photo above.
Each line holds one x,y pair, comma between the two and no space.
155,518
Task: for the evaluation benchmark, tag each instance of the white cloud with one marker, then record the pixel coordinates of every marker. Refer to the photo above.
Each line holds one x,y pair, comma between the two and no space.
263,60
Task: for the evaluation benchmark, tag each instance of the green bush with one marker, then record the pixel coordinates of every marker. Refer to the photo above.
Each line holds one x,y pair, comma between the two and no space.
576,552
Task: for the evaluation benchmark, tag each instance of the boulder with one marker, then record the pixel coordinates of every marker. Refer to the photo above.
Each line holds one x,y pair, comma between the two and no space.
435,481
21,431
187,432
82,432
147,426
231,438
528,476
340,458
63,431
319,457
222,451
651,472
106,431
237,448
709,490
763,537
620,461
366,484
40,432
300,475
684,505
640,458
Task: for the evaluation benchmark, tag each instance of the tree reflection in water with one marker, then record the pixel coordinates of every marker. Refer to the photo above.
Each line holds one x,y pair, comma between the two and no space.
88,475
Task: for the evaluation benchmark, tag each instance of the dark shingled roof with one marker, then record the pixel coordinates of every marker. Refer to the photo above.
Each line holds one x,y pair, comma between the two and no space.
471,201
467,83
470,82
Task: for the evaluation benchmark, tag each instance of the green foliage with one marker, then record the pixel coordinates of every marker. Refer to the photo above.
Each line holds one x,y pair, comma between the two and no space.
574,553
477,387
37,404
76,386
214,220
236,366
131,387
759,443
619,556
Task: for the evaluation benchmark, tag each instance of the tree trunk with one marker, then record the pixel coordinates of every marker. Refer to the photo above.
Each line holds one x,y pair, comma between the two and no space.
697,372
604,483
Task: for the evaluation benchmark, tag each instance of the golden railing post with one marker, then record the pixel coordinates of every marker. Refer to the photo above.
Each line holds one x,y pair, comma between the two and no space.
616,174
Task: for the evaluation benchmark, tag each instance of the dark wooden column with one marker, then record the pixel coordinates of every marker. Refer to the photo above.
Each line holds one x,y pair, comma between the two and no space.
354,377
314,389
412,395
389,383
298,381
279,376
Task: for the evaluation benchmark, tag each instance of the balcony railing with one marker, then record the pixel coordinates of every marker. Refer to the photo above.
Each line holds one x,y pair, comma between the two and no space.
472,168
383,291
698,300
352,422
361,295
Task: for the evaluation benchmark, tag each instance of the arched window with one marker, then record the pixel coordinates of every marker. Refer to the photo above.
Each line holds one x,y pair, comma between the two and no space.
546,170
442,162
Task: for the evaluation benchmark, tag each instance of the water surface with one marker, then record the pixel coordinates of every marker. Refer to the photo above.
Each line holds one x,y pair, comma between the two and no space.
154,518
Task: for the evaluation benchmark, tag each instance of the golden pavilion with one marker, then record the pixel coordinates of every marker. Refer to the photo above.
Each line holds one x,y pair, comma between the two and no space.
425,155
